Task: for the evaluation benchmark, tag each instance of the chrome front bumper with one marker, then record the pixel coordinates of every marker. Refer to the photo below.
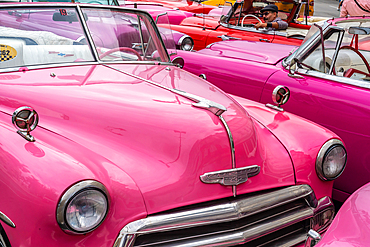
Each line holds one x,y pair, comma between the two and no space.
283,217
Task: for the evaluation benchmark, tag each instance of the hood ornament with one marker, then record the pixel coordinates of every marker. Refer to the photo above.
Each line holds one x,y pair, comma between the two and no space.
230,177
25,119
280,96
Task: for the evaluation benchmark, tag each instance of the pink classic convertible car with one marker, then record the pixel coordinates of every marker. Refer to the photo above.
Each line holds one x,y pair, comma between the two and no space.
328,76
105,142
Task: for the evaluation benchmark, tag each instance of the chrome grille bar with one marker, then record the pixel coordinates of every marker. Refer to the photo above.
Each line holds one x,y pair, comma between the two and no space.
243,236
250,207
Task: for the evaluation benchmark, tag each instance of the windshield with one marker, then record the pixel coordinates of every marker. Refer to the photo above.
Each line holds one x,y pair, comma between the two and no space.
250,11
343,53
105,2
55,35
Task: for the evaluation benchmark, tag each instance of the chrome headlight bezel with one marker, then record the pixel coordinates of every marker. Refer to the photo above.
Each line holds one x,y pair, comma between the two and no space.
184,42
72,193
324,151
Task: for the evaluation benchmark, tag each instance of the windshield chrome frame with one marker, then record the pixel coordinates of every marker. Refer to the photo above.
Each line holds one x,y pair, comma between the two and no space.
113,2
79,10
306,47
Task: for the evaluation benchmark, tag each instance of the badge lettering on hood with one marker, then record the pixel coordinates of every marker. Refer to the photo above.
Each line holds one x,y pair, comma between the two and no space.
231,177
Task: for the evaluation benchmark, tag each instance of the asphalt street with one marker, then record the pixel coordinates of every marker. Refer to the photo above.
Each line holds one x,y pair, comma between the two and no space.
326,8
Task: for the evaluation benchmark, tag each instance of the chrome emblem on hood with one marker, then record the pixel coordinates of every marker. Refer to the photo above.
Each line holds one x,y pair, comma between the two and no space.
230,177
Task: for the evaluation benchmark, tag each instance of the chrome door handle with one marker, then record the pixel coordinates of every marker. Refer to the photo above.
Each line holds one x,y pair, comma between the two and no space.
265,40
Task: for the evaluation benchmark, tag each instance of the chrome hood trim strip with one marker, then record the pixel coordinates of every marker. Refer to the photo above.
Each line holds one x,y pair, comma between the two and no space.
200,102
6,220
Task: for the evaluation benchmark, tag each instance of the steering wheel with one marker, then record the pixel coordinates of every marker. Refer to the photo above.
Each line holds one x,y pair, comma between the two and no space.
250,15
95,2
121,49
358,53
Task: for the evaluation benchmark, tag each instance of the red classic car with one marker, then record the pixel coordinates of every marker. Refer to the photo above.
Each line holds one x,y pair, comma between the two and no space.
193,6
105,142
226,23
328,76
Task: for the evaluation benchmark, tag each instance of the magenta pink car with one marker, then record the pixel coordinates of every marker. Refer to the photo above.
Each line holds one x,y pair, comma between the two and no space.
351,224
105,142
328,77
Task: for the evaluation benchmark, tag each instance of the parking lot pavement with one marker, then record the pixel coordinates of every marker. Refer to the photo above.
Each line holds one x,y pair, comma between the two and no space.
326,8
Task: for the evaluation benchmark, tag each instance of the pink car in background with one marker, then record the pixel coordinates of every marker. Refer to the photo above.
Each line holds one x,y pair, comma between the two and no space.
165,16
329,83
105,142
351,225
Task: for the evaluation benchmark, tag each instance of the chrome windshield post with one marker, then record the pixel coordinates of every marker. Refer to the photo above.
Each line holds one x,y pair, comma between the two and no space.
292,70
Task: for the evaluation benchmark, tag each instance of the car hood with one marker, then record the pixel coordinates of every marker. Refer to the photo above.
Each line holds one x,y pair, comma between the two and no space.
268,53
128,115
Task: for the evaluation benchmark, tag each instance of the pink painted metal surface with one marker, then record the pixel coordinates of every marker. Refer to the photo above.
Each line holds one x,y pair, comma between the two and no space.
252,70
126,120
351,225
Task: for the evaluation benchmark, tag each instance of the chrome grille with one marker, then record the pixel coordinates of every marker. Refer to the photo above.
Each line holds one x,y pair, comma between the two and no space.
282,217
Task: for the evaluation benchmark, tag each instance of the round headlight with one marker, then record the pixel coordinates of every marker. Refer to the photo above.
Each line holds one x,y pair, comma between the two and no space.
83,207
331,160
186,43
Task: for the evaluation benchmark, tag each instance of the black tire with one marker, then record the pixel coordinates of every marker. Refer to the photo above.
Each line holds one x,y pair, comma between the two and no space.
4,241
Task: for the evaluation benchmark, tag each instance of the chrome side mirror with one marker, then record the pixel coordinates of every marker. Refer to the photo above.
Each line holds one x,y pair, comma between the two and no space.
159,15
312,239
280,96
359,30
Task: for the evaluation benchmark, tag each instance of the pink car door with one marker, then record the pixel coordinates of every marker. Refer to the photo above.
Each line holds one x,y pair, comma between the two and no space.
339,100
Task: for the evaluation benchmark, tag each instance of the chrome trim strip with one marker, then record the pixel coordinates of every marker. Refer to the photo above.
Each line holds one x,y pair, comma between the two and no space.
88,34
200,102
249,29
345,80
232,146
58,65
304,48
78,7
6,220
335,56
225,212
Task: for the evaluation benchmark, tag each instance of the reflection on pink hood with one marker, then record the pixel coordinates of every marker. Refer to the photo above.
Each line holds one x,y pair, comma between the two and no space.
269,53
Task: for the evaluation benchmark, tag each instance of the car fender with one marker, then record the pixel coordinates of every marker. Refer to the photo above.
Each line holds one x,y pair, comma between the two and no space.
59,163
302,153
